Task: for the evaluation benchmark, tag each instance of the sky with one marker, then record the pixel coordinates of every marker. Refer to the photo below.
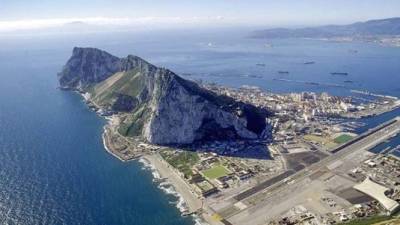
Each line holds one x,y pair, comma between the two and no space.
33,14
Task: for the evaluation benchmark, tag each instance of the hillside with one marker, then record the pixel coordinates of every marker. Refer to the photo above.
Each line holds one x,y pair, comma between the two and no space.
163,107
390,26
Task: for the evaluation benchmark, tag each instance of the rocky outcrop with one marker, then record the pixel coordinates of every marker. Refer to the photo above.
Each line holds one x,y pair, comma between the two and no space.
164,108
195,113
89,66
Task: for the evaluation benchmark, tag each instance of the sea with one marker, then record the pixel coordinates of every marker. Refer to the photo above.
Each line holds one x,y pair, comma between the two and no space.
53,165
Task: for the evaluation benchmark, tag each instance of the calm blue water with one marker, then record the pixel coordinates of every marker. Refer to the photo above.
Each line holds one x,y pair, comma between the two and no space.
53,166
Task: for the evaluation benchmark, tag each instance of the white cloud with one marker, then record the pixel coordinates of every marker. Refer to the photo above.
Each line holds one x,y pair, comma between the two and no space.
17,25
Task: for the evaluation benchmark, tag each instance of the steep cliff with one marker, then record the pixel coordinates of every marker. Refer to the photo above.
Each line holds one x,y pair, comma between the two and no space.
163,107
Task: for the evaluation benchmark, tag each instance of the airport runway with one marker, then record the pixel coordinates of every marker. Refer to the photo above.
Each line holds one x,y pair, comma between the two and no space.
256,195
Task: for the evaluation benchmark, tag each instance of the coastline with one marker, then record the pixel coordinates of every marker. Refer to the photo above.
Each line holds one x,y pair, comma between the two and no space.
163,174
166,179
107,145
193,204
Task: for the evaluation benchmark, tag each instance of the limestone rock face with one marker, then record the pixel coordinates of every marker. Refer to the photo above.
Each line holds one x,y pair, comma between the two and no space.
164,108
181,112
87,66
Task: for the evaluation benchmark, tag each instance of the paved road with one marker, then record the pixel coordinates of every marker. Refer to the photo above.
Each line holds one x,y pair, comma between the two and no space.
363,142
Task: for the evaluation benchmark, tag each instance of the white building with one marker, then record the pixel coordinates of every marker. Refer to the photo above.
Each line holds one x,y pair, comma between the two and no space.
377,192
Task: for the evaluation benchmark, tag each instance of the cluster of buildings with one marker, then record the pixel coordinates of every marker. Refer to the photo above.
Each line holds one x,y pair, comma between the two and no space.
210,173
378,178
309,105
296,216
381,181
357,211
308,117
305,126
300,215
229,147
304,105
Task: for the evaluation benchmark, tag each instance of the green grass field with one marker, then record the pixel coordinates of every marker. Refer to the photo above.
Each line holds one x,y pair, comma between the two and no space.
327,143
215,172
183,161
343,138
368,221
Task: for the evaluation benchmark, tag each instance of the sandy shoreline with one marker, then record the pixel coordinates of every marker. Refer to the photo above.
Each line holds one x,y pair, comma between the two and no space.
193,203
188,202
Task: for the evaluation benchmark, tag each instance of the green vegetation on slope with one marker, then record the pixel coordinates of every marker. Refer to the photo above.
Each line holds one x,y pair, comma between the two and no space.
134,125
126,83
368,221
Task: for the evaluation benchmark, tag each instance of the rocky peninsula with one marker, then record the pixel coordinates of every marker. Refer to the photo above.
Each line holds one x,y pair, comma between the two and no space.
214,144
151,109
163,108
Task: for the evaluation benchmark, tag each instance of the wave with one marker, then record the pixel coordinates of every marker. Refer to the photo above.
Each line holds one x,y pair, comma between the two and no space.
103,136
169,189
198,220
148,166
180,203
165,186
104,141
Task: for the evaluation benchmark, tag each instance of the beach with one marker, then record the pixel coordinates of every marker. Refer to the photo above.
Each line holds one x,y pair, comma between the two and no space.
166,172
166,177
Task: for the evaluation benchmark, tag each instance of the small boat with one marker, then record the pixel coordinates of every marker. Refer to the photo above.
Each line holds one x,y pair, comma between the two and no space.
254,76
309,63
260,64
339,73
312,83
348,81
283,72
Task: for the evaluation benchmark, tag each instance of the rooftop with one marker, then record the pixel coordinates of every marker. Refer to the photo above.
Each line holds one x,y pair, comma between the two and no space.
377,192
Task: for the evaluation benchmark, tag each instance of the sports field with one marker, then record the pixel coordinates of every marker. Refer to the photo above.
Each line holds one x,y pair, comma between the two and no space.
343,138
326,142
215,172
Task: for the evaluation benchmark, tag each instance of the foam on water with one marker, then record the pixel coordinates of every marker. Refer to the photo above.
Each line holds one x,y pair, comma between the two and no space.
198,220
165,186
169,189
148,166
